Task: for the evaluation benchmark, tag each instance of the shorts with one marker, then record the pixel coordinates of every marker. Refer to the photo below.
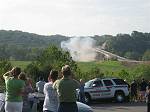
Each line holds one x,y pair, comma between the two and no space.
13,106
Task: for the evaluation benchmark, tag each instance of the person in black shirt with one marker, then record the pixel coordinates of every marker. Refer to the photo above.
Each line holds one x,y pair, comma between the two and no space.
143,86
134,91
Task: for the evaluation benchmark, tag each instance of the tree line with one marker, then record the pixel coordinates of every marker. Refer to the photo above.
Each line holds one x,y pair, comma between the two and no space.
18,45
54,58
135,46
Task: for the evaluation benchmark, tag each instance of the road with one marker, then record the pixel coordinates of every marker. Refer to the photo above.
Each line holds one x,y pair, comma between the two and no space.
125,107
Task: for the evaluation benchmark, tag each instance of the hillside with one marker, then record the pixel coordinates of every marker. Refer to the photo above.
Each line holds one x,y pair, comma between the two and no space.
135,46
18,45
25,39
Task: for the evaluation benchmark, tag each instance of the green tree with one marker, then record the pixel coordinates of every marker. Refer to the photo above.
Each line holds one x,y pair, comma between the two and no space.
51,58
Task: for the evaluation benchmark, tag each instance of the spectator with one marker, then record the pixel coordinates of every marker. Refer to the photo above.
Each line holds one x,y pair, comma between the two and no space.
66,89
40,85
134,94
27,89
148,97
14,89
143,86
81,91
51,99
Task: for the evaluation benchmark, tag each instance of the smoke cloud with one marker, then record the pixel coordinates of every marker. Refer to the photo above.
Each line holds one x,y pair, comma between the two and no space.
80,48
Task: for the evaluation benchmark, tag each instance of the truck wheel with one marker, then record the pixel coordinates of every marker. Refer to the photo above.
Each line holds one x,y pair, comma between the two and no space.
87,98
119,97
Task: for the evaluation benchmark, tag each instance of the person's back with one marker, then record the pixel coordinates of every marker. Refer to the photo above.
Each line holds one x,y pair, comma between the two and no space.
40,85
134,94
27,89
66,89
134,86
14,89
51,98
143,86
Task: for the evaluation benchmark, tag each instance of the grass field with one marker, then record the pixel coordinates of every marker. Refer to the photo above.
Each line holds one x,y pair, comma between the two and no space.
21,64
110,66
113,66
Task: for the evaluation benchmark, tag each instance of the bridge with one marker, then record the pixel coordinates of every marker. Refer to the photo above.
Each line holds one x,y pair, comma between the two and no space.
109,55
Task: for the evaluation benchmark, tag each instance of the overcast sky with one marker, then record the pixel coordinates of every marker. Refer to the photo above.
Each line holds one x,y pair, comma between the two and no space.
75,17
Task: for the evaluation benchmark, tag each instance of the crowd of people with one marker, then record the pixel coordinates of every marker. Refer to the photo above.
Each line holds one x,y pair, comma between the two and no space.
140,92
60,94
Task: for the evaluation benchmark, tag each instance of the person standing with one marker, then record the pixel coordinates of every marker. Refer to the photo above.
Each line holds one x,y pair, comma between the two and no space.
134,88
81,91
40,85
66,90
51,99
27,89
148,97
14,89
143,86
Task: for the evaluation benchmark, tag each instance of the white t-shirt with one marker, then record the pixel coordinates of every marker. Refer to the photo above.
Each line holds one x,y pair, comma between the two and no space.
40,86
51,99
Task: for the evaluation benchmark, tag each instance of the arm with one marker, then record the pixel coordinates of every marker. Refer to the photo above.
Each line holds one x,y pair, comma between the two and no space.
7,74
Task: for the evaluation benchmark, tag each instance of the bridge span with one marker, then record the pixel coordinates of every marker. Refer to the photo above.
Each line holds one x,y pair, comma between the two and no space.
110,55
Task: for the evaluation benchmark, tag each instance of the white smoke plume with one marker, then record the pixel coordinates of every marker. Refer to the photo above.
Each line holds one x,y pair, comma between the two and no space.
80,48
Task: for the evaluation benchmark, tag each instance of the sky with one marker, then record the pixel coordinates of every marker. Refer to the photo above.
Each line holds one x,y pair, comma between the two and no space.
75,17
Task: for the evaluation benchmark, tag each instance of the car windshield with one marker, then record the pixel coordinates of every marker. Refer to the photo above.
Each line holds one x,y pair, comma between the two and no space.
88,84
120,82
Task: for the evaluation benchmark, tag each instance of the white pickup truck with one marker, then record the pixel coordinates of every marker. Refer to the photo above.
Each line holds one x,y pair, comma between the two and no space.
106,88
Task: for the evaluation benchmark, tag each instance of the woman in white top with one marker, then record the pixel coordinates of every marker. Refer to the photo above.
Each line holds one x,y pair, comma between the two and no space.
51,99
